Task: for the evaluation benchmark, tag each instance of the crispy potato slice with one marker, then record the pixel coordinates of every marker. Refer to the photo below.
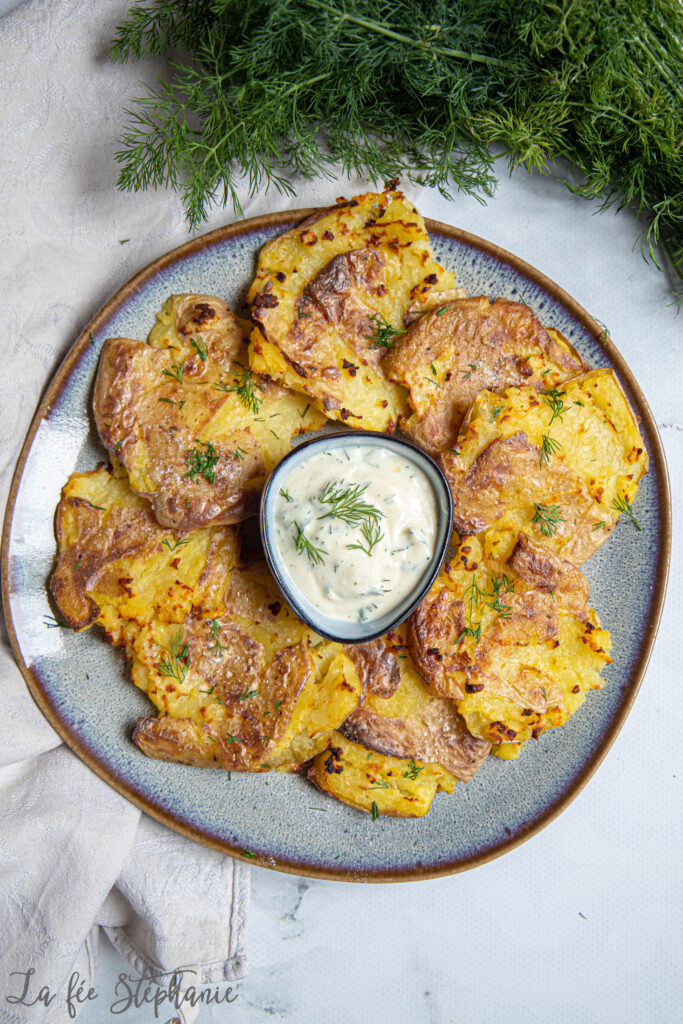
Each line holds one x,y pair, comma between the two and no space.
375,782
323,289
451,354
194,428
515,644
554,466
118,567
251,690
412,722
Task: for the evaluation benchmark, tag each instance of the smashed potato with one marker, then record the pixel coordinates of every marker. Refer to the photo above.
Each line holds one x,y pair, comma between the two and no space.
119,568
195,430
330,293
514,644
376,782
559,466
411,722
452,353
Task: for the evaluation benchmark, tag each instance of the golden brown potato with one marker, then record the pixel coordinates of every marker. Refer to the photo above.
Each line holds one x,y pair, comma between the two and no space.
118,567
251,690
514,644
413,723
376,782
328,291
557,466
452,353
194,428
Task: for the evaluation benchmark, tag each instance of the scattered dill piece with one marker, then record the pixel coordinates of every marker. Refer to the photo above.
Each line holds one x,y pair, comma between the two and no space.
238,454
468,373
553,399
92,340
278,704
413,771
251,693
202,463
176,663
277,436
52,622
249,853
169,401
371,533
304,546
549,446
548,518
384,333
364,613
375,810
100,508
318,809
286,495
245,387
174,547
176,371
379,784
117,447
201,346
443,309
346,503
624,505
598,526
217,647
303,316
303,414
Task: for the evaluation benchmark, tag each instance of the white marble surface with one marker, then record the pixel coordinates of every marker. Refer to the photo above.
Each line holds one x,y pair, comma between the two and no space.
582,923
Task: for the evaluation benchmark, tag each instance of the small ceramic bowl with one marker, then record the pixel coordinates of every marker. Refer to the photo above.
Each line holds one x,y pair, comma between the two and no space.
327,626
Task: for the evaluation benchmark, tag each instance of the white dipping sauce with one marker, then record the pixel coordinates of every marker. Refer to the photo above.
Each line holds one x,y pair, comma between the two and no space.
356,571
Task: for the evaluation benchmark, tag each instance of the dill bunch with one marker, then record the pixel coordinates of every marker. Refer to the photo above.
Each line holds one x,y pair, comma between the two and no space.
419,89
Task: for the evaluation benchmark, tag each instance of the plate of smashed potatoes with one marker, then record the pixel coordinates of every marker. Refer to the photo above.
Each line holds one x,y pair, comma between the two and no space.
133,519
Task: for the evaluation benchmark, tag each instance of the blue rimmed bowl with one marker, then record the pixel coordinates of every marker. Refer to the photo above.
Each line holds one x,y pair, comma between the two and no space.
325,625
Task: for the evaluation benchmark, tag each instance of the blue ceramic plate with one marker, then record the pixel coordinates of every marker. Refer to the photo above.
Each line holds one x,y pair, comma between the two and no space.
81,686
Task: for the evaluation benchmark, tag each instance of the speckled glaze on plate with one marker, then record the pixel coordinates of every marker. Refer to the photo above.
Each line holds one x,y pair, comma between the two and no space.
81,686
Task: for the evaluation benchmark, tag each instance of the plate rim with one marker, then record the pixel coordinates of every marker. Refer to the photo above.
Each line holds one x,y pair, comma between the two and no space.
51,393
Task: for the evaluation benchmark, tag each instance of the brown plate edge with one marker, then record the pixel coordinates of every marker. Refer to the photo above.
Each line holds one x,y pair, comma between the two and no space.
166,817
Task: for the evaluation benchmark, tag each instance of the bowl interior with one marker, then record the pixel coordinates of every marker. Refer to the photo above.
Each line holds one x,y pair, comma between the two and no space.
325,625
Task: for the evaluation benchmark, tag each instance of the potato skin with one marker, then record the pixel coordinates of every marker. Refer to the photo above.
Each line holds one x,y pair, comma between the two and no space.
468,345
376,783
499,475
322,289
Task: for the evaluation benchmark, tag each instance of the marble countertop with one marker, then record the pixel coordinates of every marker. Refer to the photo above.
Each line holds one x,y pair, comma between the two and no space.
582,922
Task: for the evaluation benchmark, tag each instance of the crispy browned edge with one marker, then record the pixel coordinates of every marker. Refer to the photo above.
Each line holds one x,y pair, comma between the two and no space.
285,220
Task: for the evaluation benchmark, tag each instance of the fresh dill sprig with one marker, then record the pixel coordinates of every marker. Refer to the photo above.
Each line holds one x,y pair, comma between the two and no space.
375,810
286,495
176,663
384,334
52,622
217,647
624,505
174,547
346,503
548,518
553,399
201,346
202,463
413,771
176,371
304,547
274,88
549,446
245,387
371,533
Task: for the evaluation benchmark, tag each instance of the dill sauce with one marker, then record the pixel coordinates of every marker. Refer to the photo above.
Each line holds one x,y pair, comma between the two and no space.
357,570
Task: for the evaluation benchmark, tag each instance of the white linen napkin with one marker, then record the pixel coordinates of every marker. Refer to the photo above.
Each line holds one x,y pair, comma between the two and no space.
74,855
